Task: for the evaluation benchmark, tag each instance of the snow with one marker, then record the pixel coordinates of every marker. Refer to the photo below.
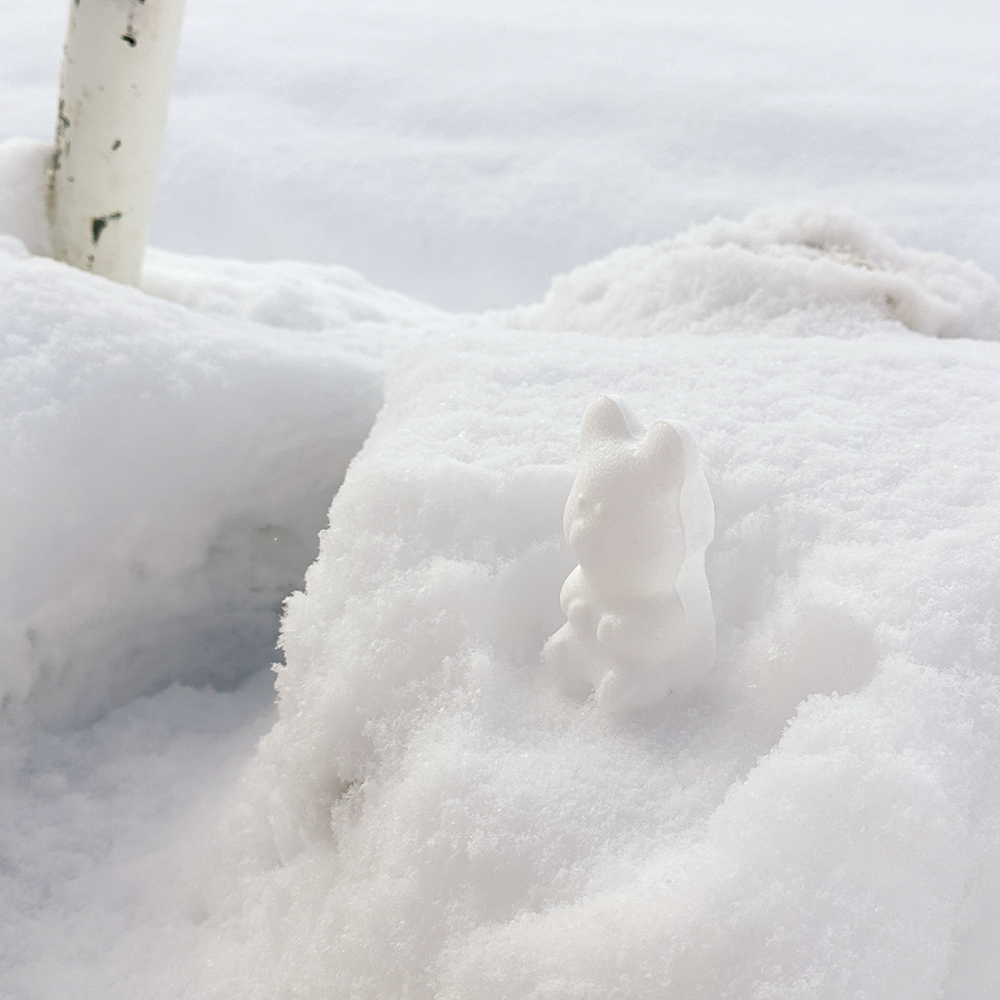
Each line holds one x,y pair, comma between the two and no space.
410,805
466,153
809,820
780,265
170,478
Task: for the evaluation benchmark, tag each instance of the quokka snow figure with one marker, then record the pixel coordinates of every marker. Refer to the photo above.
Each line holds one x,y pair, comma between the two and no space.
639,517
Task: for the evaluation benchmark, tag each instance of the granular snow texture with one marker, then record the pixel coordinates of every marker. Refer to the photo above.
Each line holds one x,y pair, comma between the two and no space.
432,818
426,814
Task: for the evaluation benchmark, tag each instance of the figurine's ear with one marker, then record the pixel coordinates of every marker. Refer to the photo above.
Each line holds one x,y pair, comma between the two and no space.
663,444
608,417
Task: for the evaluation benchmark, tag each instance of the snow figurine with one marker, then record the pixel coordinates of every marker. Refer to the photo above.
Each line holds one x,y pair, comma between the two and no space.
639,517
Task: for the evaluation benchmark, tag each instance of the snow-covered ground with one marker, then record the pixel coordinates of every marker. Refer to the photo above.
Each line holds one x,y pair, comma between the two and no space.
425,812
467,152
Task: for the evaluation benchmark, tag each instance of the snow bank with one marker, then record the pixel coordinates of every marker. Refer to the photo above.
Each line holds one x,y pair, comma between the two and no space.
322,304
431,817
166,471
24,167
802,269
167,466
465,153
166,479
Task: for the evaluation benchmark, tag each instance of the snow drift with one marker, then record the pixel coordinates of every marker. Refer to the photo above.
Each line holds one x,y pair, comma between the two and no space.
166,481
166,471
800,269
431,817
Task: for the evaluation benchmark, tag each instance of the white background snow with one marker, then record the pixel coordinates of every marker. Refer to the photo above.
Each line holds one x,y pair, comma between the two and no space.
423,813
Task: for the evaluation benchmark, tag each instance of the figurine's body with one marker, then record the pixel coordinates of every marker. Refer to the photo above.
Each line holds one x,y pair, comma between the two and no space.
639,517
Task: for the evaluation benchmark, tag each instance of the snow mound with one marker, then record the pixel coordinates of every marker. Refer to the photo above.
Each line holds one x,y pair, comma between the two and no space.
166,476
429,817
24,166
797,270
167,467
322,301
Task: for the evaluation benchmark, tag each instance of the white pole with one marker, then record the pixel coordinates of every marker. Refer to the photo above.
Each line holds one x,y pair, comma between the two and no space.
118,62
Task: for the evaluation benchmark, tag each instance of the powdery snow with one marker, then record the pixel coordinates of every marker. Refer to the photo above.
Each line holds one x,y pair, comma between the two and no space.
466,152
424,813
168,470
167,478
429,815
819,821
101,829
805,270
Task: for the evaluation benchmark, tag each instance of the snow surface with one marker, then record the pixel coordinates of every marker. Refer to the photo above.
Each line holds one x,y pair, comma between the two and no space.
466,152
423,813
820,821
